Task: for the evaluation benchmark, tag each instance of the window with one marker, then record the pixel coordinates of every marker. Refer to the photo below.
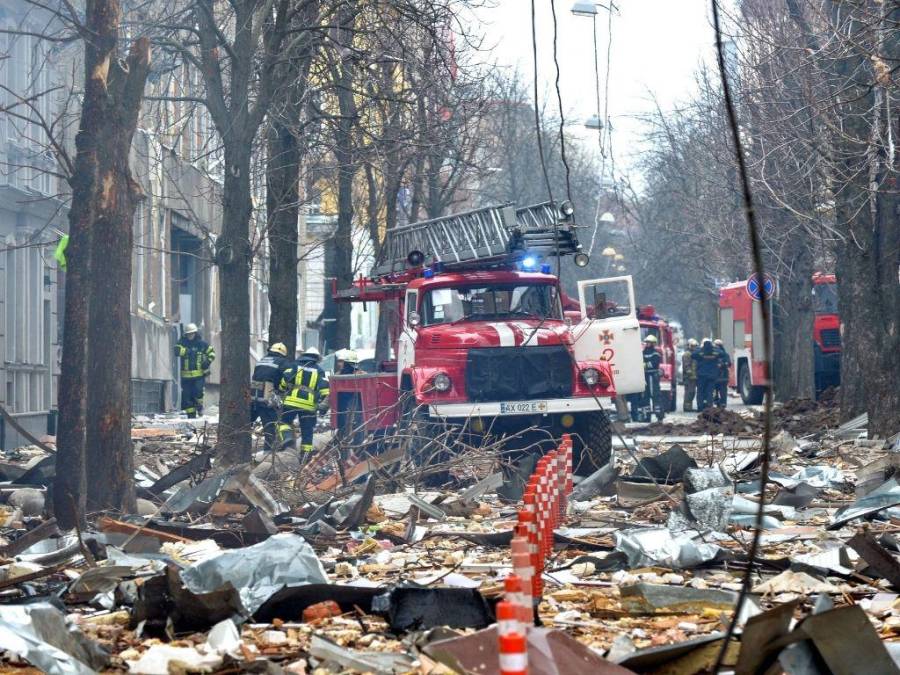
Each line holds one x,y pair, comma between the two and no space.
825,298
650,330
26,324
412,300
485,303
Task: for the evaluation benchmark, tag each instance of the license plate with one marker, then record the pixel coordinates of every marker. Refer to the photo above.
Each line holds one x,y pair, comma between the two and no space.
523,407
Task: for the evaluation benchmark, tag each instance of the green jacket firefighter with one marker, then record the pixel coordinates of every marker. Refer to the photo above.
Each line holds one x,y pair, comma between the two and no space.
196,358
306,386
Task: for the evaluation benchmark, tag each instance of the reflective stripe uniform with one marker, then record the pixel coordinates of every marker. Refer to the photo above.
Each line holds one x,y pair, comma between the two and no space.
196,357
307,390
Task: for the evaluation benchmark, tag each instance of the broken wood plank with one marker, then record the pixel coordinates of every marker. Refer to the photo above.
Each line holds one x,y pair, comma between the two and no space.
107,524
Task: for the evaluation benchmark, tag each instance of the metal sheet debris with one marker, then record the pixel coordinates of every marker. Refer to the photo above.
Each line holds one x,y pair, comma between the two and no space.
882,498
257,572
40,634
659,546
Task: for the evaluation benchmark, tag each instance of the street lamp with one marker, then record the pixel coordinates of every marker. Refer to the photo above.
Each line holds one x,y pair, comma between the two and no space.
607,218
584,9
609,252
619,257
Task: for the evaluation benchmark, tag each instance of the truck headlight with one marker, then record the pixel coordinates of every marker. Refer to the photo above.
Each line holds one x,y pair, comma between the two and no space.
441,382
591,376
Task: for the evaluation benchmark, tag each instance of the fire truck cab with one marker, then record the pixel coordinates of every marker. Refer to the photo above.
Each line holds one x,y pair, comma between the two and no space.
481,339
740,327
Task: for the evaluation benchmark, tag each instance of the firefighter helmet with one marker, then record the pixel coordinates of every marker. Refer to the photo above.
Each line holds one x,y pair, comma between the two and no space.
190,328
718,343
692,342
347,356
651,339
278,348
312,352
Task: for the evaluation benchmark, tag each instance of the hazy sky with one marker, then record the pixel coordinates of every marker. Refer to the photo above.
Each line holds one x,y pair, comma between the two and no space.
657,45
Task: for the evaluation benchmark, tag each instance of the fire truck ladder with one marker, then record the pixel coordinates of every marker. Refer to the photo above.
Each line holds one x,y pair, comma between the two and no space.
490,234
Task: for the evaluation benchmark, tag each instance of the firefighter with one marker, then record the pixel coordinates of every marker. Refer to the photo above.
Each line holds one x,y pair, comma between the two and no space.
265,404
652,361
346,362
721,391
708,360
196,358
689,374
306,393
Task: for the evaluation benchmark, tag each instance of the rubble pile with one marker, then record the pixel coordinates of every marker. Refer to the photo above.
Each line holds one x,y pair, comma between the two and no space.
226,573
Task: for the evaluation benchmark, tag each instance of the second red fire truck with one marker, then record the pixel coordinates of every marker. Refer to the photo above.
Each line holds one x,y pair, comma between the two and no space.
740,327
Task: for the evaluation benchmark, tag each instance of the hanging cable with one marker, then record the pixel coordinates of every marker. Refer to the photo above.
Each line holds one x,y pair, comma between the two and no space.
604,119
537,114
562,115
756,250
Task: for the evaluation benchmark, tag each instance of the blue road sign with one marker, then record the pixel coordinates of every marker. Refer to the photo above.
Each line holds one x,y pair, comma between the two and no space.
756,290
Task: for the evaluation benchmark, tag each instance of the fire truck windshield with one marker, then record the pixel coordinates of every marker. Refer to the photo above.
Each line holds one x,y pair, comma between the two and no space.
825,298
489,303
650,330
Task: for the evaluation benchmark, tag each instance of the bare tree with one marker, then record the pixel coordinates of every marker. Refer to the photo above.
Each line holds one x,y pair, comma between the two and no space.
95,402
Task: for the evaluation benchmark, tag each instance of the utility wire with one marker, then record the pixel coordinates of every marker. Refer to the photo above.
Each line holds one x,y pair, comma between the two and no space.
756,250
562,115
537,114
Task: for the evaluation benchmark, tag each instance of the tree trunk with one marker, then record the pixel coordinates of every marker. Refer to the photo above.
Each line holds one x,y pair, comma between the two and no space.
793,350
283,212
869,253
110,456
233,256
102,209
342,260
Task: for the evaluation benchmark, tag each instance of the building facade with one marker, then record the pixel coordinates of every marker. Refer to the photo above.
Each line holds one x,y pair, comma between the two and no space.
175,227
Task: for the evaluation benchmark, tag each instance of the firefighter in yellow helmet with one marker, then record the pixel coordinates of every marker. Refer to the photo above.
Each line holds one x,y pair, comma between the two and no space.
196,358
306,392
652,361
264,401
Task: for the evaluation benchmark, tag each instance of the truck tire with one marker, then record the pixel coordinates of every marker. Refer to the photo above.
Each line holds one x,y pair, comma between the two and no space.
592,444
750,394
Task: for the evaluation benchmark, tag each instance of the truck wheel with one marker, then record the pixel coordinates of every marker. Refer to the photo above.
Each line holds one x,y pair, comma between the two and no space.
592,445
750,394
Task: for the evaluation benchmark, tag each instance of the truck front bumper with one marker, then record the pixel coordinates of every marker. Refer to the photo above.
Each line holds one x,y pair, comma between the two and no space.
509,408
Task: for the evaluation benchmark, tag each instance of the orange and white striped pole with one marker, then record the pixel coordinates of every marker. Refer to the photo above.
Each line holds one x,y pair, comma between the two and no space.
513,644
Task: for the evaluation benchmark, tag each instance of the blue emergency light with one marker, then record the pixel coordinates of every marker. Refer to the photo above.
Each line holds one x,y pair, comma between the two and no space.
529,263
428,273
545,268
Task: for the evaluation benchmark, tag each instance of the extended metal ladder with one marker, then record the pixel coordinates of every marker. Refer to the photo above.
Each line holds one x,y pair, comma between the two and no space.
482,235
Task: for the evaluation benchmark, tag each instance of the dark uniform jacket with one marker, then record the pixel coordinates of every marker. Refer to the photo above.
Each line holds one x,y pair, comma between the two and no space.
270,368
724,363
196,357
708,360
652,359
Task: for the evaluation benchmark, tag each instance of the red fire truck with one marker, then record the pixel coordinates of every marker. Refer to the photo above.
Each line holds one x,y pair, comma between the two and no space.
740,327
653,324
481,339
